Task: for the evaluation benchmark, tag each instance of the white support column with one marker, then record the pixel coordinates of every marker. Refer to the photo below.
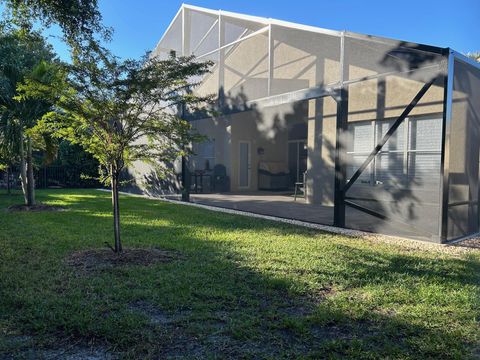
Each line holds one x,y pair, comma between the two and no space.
406,134
183,31
270,60
342,58
221,59
220,32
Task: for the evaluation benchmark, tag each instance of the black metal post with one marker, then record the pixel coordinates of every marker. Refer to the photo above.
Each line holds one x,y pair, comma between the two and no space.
8,180
340,165
445,156
185,183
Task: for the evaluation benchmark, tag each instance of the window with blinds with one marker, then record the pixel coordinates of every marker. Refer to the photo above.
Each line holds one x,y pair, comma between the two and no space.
204,155
411,157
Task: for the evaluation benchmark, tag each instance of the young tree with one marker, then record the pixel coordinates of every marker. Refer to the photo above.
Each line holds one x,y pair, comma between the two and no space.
474,55
9,145
123,111
20,54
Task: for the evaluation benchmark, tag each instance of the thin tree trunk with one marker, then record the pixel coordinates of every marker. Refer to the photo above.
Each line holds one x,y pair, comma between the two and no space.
9,189
116,211
30,176
23,170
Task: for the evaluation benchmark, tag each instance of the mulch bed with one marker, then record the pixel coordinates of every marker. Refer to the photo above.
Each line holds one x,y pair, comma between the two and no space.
34,208
101,259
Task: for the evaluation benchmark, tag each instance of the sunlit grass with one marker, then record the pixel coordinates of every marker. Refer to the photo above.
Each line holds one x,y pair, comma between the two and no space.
243,287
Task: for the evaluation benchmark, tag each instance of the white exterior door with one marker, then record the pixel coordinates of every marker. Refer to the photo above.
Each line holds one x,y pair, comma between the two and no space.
245,159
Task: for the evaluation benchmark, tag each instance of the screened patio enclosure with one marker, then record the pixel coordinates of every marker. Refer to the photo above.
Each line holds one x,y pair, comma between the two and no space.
332,127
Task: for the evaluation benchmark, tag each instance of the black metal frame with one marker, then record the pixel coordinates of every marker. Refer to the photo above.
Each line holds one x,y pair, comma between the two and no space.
341,96
340,168
393,42
341,184
444,160
451,56
185,183
366,210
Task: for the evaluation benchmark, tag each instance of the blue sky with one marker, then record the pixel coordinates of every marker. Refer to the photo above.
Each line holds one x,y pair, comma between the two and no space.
139,24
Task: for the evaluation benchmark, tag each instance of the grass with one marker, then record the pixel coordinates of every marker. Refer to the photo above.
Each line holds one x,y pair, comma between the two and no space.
242,288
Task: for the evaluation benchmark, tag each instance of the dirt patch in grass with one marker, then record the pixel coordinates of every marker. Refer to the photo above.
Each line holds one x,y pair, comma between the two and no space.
300,307
318,296
34,208
101,259
157,315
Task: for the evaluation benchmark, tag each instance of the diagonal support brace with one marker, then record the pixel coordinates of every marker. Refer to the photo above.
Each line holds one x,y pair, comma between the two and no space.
389,133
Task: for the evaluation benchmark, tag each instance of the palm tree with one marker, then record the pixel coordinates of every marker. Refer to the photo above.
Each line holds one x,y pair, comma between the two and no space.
9,144
20,54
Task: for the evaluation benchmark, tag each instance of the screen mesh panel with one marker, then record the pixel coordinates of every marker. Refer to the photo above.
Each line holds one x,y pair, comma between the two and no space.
245,70
202,32
172,40
210,83
402,182
372,57
235,29
462,220
464,152
303,59
424,155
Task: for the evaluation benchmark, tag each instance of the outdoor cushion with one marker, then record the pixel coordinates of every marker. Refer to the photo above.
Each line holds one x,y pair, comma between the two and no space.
273,167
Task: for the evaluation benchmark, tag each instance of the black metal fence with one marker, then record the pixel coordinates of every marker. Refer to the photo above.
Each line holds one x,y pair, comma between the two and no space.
49,177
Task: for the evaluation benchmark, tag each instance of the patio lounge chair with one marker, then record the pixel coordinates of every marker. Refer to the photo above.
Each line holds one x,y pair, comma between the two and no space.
273,175
301,185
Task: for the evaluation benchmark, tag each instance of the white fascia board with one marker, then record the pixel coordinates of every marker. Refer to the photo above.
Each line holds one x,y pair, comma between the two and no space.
308,28
257,19
263,20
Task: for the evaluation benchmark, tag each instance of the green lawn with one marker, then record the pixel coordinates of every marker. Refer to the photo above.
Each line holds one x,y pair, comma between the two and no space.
242,287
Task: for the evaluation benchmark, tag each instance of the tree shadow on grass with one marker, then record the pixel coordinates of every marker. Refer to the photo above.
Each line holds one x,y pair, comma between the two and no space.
221,301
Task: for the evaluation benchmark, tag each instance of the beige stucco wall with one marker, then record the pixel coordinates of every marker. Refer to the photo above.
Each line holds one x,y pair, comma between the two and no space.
246,68
265,128
302,60
367,102
459,152
464,132
321,151
152,178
